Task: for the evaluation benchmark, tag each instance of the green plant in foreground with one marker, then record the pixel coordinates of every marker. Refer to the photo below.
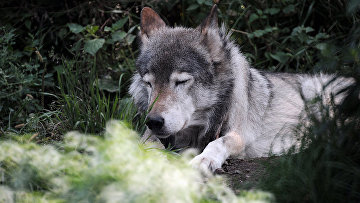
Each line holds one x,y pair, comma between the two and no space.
115,168
327,166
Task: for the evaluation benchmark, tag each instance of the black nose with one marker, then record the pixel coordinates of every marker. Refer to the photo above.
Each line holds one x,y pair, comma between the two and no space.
155,123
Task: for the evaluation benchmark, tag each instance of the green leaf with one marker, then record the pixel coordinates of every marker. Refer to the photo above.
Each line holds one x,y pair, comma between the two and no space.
259,33
309,29
200,1
327,50
129,39
7,37
208,3
269,29
297,30
108,85
75,28
301,29
289,9
253,17
119,24
60,69
77,45
107,29
260,12
118,36
272,11
92,29
132,29
321,46
280,56
321,35
92,46
250,35
353,6
192,7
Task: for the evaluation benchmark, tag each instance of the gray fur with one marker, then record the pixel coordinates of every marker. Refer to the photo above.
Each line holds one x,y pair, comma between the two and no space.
228,95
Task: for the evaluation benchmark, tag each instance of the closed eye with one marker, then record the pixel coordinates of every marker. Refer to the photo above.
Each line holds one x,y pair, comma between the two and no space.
148,84
181,82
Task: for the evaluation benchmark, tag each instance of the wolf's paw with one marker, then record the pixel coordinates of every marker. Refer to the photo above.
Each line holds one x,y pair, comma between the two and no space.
205,164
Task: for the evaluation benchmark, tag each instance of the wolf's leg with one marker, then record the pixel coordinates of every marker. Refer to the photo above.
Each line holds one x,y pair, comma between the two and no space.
217,151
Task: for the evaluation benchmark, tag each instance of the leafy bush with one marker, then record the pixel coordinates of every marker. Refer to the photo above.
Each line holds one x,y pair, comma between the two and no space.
285,35
88,101
22,81
46,41
110,169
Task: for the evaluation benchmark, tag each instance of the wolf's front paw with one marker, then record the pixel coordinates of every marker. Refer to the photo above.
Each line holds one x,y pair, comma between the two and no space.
205,163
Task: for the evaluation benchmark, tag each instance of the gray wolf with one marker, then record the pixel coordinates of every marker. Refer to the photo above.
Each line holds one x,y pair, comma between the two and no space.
200,92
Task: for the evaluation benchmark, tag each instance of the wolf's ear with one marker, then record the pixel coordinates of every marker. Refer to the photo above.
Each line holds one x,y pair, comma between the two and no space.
211,36
211,22
150,22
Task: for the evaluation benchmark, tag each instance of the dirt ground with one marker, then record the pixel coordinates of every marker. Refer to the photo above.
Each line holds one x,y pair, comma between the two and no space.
243,174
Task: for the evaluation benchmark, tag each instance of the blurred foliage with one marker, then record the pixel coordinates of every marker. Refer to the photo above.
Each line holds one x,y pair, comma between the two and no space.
110,169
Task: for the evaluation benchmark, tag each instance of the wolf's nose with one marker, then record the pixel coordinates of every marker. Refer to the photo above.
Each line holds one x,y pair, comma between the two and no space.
155,123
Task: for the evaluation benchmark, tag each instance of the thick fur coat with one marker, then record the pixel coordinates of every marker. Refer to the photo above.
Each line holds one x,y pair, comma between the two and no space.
200,92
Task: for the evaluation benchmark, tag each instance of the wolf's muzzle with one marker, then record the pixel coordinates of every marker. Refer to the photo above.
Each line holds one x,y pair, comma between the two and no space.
155,122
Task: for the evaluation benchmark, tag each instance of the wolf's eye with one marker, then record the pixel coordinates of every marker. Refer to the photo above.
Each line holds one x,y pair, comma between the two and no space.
148,84
181,82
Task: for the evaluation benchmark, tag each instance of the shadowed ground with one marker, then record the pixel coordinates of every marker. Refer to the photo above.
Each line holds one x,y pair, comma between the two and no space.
244,174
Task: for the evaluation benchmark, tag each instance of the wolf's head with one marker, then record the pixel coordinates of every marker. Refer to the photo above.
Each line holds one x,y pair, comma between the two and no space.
177,70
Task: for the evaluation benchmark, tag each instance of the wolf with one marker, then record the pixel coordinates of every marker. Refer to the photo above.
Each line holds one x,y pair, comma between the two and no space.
200,92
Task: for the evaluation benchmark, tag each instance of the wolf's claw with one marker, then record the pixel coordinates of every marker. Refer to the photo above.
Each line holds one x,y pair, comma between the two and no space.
205,164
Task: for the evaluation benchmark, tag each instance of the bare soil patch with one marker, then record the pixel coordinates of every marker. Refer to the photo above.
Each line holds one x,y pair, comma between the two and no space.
243,173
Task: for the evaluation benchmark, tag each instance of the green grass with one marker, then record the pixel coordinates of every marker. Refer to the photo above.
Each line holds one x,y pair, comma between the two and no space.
85,104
